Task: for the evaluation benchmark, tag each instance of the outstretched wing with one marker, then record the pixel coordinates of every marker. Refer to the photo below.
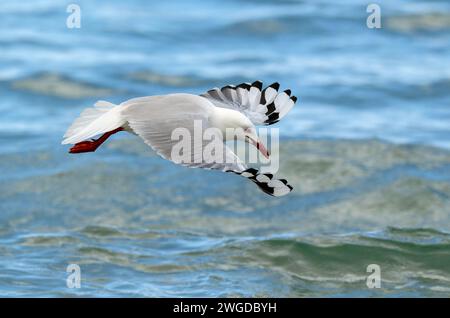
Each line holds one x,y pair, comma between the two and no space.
155,124
262,106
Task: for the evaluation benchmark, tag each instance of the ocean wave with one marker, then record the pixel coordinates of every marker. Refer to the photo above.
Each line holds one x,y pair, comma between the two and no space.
427,22
298,24
342,261
167,80
130,214
59,86
337,184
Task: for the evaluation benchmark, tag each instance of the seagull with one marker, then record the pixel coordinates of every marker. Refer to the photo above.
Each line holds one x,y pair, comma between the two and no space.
154,118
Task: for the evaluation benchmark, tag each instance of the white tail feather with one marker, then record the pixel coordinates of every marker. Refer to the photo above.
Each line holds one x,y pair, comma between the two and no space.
102,118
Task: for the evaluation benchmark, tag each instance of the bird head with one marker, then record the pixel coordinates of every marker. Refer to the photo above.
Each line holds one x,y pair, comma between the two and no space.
241,126
251,137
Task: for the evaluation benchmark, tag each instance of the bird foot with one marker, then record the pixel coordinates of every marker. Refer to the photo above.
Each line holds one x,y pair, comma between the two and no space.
84,146
92,145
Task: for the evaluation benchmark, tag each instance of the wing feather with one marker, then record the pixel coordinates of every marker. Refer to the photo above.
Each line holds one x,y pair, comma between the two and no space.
262,106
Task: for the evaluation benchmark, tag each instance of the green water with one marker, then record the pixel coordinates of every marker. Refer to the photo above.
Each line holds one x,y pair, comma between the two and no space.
140,226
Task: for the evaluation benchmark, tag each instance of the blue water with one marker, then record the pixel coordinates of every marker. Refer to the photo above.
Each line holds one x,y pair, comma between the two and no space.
368,150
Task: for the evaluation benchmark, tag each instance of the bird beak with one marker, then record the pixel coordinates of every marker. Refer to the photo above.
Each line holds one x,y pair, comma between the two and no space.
260,146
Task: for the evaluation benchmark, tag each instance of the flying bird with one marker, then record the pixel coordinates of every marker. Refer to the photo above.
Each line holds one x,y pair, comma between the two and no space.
154,118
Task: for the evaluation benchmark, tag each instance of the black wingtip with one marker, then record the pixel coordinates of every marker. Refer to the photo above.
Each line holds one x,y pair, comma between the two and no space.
288,92
244,86
270,108
257,84
286,184
265,183
251,170
294,98
275,86
272,118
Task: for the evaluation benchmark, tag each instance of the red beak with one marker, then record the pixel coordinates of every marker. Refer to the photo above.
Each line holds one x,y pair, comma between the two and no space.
260,146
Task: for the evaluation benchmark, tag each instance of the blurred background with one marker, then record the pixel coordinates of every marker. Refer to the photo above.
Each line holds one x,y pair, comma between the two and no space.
366,148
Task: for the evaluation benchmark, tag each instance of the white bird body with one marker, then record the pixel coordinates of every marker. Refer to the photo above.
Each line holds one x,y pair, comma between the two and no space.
154,118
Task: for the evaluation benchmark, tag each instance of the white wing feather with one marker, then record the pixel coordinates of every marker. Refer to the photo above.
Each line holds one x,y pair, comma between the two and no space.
155,119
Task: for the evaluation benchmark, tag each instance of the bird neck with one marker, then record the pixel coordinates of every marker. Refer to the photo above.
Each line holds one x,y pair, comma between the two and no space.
223,118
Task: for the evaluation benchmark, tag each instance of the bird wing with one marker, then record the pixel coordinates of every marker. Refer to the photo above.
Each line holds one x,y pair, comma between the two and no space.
155,121
170,123
262,106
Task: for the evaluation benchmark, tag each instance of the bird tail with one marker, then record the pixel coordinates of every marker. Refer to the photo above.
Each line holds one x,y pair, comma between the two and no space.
101,118
266,182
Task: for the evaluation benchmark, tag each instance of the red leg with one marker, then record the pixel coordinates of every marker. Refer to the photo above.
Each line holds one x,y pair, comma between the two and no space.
91,146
